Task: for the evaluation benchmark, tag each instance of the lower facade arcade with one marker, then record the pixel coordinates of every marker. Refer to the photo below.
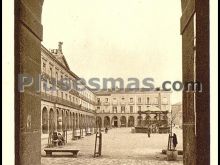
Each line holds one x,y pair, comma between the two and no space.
59,118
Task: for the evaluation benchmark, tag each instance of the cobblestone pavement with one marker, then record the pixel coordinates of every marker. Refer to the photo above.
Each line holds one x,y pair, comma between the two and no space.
120,147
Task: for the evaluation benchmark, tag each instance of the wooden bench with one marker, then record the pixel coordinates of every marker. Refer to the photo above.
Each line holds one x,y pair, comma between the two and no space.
49,151
76,137
88,133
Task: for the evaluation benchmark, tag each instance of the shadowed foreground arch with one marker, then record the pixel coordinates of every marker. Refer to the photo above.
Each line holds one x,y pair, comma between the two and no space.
28,37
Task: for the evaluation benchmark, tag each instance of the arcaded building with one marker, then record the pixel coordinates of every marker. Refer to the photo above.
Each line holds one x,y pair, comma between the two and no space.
64,110
130,108
81,111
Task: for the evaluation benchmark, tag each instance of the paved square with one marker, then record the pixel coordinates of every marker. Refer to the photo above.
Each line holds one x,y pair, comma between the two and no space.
120,147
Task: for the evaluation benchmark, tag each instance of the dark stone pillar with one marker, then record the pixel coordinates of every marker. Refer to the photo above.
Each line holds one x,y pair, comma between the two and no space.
195,53
28,37
202,75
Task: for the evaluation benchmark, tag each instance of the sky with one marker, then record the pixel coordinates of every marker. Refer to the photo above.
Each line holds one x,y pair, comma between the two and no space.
117,38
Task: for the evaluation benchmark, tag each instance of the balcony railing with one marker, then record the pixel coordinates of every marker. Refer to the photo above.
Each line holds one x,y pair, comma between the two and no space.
106,103
123,103
114,103
87,100
61,101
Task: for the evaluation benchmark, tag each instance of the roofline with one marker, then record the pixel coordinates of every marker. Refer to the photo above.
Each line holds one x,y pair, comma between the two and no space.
68,70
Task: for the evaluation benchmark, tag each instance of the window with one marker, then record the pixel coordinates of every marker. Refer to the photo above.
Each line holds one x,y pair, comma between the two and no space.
98,100
56,76
139,108
106,100
131,109
44,67
62,95
70,98
139,99
123,109
51,72
66,96
148,100
98,108
114,109
131,100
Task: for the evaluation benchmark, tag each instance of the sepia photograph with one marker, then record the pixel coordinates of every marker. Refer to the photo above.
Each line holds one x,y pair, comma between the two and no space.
111,82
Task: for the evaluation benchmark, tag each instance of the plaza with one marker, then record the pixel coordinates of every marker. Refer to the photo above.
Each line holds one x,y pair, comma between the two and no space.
119,146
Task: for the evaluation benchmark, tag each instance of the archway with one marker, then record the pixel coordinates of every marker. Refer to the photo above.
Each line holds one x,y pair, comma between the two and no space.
115,121
98,122
131,121
59,121
106,121
203,55
139,120
63,120
123,121
44,121
51,121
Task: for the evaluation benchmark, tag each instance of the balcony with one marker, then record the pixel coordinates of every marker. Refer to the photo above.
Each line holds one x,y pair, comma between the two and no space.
123,103
57,100
140,103
106,103
74,92
87,99
131,103
114,102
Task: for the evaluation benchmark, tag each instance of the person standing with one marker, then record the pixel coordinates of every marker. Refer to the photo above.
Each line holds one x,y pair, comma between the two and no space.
148,132
175,142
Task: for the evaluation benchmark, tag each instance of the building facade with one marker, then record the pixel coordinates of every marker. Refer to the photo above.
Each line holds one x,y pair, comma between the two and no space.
127,108
63,109
81,111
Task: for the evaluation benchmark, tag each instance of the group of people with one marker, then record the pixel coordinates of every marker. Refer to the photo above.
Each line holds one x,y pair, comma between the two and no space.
58,138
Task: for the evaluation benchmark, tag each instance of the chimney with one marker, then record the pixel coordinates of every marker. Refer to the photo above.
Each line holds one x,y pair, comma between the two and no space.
60,47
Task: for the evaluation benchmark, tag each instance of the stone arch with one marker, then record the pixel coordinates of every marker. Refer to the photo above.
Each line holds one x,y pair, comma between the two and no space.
200,8
51,120
123,121
114,121
63,120
73,120
77,120
67,121
131,121
59,121
107,121
98,122
44,120
139,120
